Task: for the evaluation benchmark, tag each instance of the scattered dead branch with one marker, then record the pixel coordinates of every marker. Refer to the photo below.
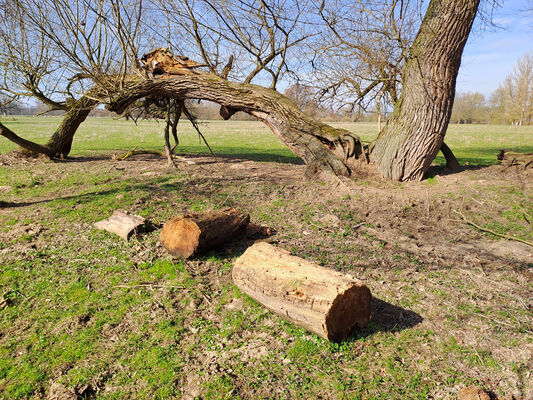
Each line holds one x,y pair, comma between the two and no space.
491,231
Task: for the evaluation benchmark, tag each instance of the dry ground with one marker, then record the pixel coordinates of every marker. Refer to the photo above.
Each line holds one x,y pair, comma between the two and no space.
88,315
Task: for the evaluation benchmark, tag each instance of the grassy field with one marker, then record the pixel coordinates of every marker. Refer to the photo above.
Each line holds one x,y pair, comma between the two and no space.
472,144
84,314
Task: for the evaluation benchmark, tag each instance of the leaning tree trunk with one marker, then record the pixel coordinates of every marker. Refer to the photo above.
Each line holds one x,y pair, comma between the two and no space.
60,143
415,131
321,146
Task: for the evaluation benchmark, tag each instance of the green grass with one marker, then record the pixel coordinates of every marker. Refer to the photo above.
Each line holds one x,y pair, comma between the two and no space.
111,319
246,139
472,144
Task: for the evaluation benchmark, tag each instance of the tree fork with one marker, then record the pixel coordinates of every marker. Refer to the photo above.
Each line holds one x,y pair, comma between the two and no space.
415,131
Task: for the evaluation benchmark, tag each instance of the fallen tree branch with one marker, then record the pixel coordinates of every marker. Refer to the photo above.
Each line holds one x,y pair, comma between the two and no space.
491,231
150,286
134,152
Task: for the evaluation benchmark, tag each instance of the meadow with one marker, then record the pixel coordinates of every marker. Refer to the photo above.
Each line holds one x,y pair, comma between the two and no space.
85,314
472,144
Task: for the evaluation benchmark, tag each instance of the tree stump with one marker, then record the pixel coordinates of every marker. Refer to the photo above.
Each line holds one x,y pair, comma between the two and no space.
326,302
190,234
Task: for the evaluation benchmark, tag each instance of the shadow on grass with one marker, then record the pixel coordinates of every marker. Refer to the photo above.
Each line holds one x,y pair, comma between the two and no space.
439,170
386,317
232,156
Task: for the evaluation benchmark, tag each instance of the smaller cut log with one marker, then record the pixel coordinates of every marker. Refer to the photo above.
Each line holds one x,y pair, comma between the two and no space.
190,234
510,158
121,223
326,302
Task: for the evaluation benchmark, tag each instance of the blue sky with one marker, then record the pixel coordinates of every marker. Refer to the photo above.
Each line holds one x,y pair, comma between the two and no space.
490,54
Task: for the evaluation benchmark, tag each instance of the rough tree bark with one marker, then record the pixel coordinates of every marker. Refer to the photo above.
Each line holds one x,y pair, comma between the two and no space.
326,302
415,132
60,142
321,146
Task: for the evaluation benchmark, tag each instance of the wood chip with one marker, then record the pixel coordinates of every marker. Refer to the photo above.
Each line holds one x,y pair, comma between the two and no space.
121,223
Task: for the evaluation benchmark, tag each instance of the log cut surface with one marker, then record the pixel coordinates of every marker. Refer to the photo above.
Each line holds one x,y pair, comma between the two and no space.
190,234
326,302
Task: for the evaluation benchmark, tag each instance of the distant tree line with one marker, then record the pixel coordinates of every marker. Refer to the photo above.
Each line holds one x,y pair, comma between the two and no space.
511,103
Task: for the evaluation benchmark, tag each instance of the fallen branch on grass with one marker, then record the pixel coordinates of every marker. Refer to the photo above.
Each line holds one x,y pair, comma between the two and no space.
134,152
150,286
491,231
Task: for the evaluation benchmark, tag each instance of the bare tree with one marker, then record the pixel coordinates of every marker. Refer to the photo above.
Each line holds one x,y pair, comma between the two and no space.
98,42
360,57
514,97
468,107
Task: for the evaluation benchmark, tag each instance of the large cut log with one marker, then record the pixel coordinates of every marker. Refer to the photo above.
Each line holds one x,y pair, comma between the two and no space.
190,234
326,302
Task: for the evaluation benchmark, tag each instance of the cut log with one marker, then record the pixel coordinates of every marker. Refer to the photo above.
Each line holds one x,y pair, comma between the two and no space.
326,302
510,158
254,231
121,223
190,234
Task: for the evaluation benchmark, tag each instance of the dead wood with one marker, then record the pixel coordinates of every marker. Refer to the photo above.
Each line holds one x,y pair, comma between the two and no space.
491,231
121,223
190,234
510,158
322,147
326,302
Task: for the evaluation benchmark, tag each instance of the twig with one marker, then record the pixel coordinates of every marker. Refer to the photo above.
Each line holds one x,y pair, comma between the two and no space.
149,285
358,225
193,122
491,231
128,154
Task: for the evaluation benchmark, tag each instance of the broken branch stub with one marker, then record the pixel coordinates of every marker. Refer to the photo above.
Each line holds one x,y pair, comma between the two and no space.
325,302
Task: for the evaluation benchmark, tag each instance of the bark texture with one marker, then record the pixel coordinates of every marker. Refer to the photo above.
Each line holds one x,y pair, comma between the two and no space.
61,141
190,234
322,301
322,147
415,132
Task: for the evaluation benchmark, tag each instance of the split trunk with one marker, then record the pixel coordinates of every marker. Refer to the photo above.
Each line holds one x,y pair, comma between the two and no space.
415,131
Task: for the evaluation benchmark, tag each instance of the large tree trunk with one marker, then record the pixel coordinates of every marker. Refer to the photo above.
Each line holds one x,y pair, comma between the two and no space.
415,132
321,146
60,142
